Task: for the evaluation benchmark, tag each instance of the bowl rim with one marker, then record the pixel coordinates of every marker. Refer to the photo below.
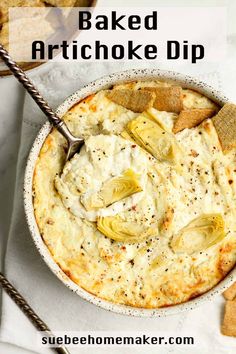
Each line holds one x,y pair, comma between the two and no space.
103,83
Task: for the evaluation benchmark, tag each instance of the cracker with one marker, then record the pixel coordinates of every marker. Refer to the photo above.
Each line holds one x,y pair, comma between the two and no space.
228,327
3,15
225,124
4,34
135,100
6,4
169,99
83,3
61,3
4,7
190,118
230,293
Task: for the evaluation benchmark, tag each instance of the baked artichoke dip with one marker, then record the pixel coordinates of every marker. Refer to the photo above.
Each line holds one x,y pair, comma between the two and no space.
144,215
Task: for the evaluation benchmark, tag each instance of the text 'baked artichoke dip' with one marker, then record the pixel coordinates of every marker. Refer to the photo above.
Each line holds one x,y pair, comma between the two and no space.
144,215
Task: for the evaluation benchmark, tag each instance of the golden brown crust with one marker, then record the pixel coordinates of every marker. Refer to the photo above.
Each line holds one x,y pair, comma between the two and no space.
135,100
169,99
230,293
190,118
225,124
228,327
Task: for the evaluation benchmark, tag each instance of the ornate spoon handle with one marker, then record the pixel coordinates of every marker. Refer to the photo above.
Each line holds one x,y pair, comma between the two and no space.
74,143
25,81
28,311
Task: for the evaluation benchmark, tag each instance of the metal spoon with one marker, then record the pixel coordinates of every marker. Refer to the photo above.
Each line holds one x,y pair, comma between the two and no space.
74,143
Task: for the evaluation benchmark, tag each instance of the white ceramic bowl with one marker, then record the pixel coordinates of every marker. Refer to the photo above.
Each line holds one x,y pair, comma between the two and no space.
103,83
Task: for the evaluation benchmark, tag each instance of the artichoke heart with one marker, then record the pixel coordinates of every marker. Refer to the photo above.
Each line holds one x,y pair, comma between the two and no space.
126,136
200,234
120,230
160,261
153,138
113,190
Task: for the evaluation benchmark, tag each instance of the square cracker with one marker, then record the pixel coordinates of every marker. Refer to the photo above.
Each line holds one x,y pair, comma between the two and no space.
225,124
135,100
169,99
190,118
228,327
6,4
230,293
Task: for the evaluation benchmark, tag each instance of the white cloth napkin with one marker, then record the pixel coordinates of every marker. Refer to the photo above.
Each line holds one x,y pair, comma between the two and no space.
56,305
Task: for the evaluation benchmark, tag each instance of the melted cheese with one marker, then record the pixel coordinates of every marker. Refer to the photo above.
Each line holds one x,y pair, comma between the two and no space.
147,273
101,158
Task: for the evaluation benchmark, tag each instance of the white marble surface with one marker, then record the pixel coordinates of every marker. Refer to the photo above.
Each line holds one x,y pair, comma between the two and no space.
11,106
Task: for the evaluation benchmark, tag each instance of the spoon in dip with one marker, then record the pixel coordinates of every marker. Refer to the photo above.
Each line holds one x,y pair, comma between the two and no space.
73,143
